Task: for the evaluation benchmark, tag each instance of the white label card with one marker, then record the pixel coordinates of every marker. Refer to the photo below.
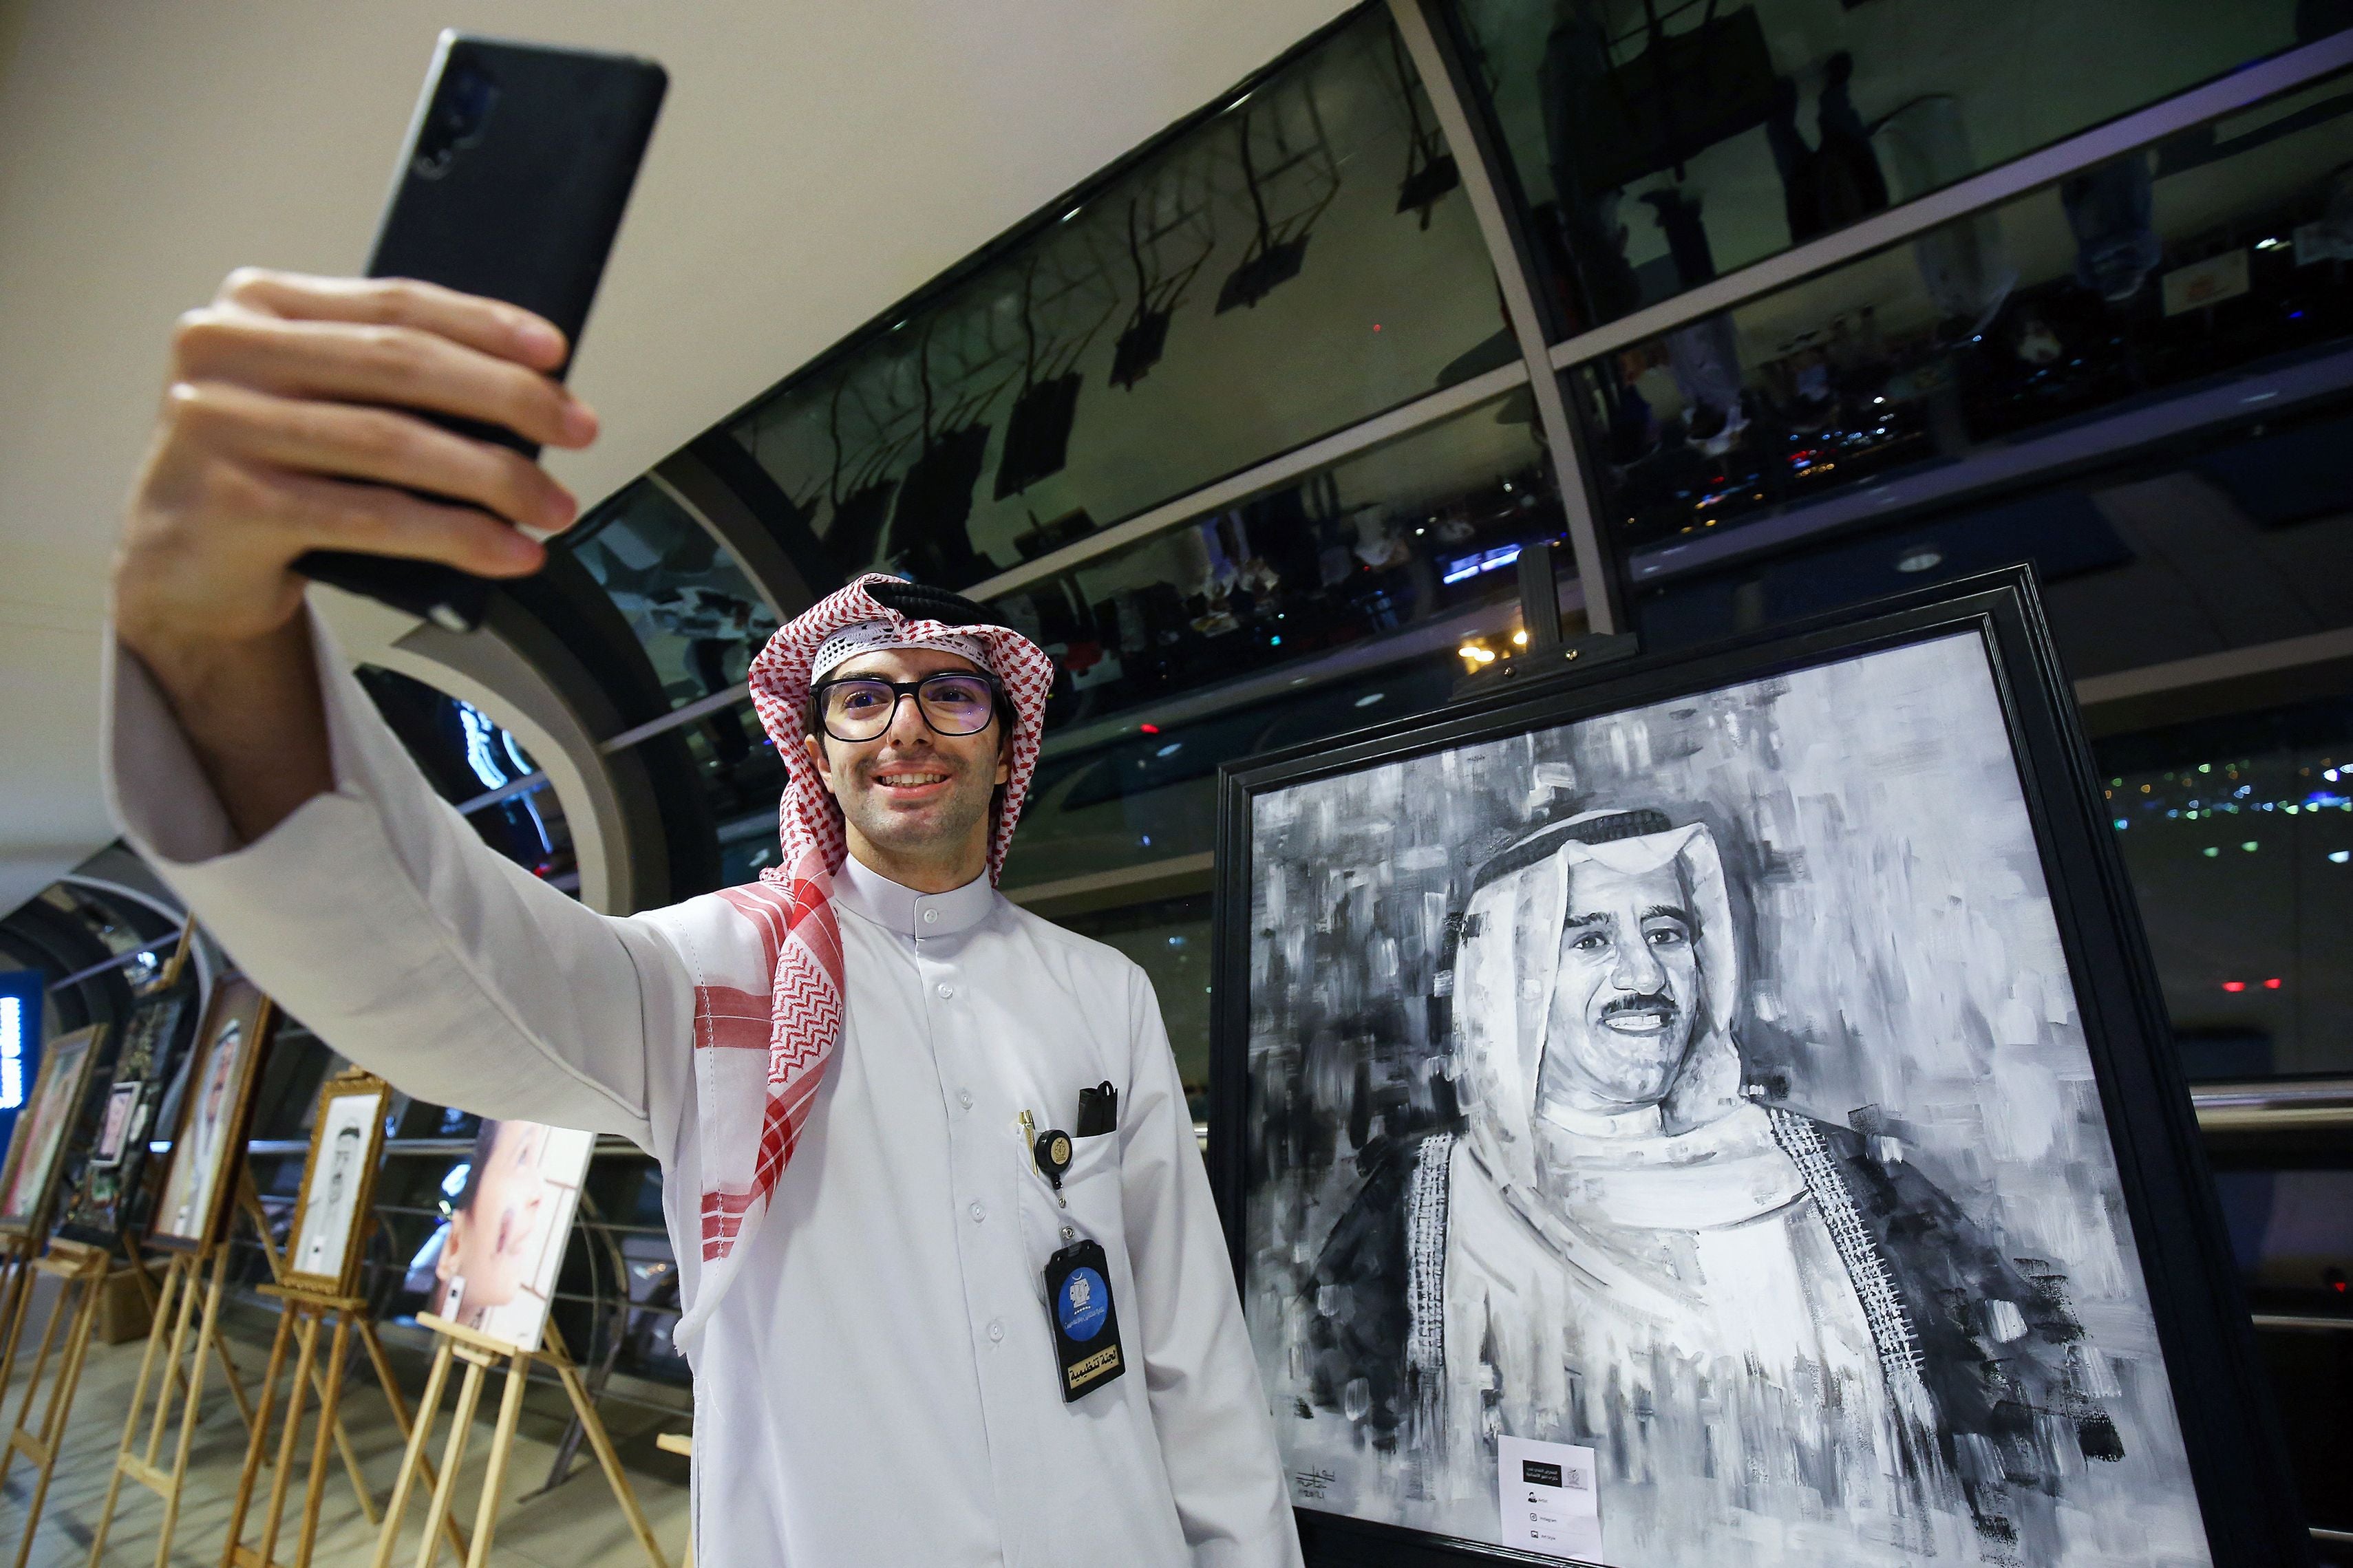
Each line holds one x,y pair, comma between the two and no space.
1549,1502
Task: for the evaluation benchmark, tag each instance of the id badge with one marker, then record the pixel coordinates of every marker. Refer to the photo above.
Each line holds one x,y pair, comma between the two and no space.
1086,1323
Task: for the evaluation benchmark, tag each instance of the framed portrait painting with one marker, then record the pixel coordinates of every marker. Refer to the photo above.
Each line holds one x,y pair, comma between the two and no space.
331,1221
36,1152
200,1173
497,1255
1719,1111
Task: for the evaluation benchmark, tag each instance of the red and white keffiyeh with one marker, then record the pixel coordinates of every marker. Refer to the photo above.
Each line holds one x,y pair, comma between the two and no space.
749,1127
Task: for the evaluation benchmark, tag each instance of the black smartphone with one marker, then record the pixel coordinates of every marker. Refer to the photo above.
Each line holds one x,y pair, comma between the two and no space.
511,185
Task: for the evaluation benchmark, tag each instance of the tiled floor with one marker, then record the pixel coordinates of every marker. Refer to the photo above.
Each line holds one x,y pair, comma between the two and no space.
577,1526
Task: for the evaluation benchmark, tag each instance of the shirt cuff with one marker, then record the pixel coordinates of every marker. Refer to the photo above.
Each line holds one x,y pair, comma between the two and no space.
157,790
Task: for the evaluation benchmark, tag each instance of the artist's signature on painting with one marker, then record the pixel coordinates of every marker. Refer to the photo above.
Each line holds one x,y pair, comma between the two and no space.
1312,1486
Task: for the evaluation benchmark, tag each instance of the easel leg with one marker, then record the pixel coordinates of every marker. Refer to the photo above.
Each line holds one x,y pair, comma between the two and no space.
391,1386
17,1296
236,1380
194,1407
157,1329
486,1514
258,1441
249,1199
602,1442
314,1489
58,1315
412,1457
61,1393
469,1394
275,1510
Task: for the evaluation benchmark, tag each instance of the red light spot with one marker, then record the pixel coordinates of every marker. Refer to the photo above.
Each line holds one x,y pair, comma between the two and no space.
2234,985
1149,729
1376,326
2338,1286
2270,984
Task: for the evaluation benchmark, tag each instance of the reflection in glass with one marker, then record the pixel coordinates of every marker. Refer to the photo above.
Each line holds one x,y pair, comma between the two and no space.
689,602
1150,796
1287,266
1426,525
2238,835
743,781
1659,144
2214,254
466,756
1169,941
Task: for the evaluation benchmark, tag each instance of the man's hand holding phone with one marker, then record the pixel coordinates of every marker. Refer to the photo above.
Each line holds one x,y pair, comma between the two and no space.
284,429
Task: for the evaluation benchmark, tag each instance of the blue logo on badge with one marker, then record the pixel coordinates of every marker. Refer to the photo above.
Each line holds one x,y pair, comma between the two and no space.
1082,1304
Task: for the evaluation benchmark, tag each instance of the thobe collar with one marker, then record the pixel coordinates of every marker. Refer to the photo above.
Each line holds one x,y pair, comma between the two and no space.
901,910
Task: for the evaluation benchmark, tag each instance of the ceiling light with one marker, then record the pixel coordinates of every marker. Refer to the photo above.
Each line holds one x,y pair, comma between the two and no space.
1920,559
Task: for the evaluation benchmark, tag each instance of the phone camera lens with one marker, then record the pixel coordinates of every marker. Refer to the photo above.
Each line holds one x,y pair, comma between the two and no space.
460,111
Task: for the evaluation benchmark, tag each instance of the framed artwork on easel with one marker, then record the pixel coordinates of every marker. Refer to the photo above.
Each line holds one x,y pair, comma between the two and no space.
37,1150
99,1197
499,1253
329,1237
209,1139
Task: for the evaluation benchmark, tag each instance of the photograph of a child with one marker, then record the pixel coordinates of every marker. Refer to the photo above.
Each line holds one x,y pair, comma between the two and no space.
498,1252
341,1151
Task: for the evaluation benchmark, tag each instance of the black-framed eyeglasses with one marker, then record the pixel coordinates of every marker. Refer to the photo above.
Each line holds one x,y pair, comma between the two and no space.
859,708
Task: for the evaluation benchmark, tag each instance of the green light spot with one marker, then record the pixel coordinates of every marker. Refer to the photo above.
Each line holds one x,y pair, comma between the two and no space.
2249,846
2211,853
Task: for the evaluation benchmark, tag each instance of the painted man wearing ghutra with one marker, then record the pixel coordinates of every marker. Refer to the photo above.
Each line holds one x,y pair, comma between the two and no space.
1632,1243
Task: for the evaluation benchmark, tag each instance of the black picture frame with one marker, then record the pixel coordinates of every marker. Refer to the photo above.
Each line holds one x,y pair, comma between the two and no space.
2229,1430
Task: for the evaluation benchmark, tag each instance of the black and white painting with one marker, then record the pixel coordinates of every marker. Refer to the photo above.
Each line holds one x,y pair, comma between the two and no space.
343,1146
1702,1085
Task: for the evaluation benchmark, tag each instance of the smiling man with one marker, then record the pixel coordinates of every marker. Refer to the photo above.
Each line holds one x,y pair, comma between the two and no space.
954,1291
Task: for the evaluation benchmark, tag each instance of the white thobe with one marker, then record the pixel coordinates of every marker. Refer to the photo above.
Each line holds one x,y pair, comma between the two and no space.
880,1386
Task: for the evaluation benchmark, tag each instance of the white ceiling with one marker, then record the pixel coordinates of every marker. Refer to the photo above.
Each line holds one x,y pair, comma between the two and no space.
815,162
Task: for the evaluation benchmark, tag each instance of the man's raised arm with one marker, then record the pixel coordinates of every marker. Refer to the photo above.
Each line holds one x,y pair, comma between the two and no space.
248,767
282,432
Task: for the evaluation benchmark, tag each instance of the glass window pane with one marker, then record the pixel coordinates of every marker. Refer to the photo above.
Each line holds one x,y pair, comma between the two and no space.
1658,145
1169,941
466,757
1150,796
1407,535
1290,265
687,599
2140,308
2238,834
743,781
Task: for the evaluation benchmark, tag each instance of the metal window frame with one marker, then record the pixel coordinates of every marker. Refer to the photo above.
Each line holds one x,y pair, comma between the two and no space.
1432,40
1907,220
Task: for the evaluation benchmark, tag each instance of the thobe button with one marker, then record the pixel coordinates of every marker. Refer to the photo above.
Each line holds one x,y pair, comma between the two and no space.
946,990
964,1098
997,1329
930,915
977,1212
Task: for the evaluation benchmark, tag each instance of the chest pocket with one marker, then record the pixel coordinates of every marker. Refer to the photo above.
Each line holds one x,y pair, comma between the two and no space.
1089,1209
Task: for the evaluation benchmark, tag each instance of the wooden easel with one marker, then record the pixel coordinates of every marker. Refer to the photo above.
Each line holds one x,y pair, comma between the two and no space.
168,1337
174,1310
307,1312
74,1265
481,1352
18,1251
